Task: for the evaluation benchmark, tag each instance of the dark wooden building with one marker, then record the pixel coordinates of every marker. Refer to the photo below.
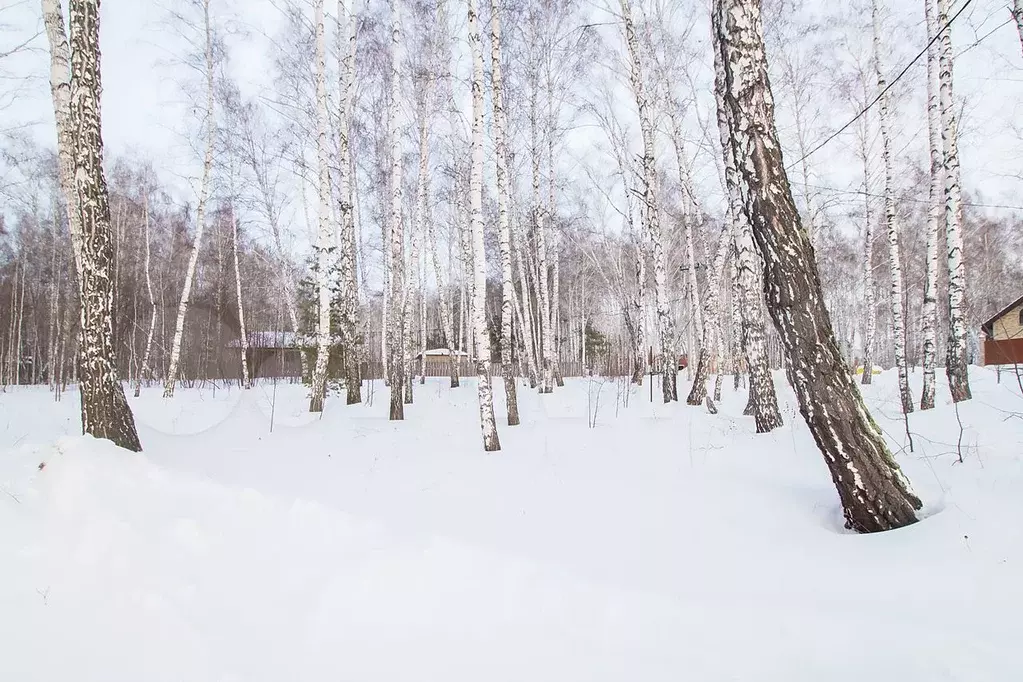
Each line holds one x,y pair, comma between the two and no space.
1003,335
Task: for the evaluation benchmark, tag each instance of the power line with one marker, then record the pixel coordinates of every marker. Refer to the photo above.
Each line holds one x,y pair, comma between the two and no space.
887,87
861,192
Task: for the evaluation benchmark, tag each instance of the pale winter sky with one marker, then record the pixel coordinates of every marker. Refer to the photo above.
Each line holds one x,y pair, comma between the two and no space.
143,107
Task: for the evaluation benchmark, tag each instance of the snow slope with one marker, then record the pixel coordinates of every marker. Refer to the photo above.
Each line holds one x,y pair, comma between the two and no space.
662,544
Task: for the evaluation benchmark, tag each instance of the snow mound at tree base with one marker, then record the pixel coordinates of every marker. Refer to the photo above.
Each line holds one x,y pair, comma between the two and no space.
664,544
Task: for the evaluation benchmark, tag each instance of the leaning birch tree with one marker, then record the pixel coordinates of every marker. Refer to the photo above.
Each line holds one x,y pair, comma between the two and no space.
488,422
875,495
955,364
209,126
76,87
324,245
894,264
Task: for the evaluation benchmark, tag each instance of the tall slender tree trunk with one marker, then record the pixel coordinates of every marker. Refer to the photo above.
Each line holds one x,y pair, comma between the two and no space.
60,91
200,222
523,307
347,246
446,317
762,403
869,311
688,216
488,422
324,269
242,333
934,211
894,263
875,495
712,326
540,227
396,326
503,199
955,366
665,324
105,411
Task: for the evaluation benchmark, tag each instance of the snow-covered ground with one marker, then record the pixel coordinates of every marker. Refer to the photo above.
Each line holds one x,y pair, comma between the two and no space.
664,543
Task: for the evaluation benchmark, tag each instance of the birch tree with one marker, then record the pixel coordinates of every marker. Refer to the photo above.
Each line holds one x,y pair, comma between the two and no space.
762,403
208,125
894,264
347,246
488,422
145,369
396,256
324,242
875,495
934,210
76,99
955,364
665,325
503,199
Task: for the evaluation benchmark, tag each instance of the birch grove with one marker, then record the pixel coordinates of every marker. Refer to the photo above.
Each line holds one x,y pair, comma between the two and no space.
338,218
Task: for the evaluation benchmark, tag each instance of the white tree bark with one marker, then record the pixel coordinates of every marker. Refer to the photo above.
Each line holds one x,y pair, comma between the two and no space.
200,222
242,333
762,403
324,269
503,200
688,216
712,319
105,411
488,422
418,230
540,225
955,365
395,323
665,324
895,265
869,311
934,210
145,369
347,246
60,91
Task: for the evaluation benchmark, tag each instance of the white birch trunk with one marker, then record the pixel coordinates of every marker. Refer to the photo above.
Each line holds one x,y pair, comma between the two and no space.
665,324
145,369
324,270
895,266
396,326
418,230
503,200
200,226
688,216
955,365
488,422
60,91
347,246
869,312
762,403
934,211
543,287
242,333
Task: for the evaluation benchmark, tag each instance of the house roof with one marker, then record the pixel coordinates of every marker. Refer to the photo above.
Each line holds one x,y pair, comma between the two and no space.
989,325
